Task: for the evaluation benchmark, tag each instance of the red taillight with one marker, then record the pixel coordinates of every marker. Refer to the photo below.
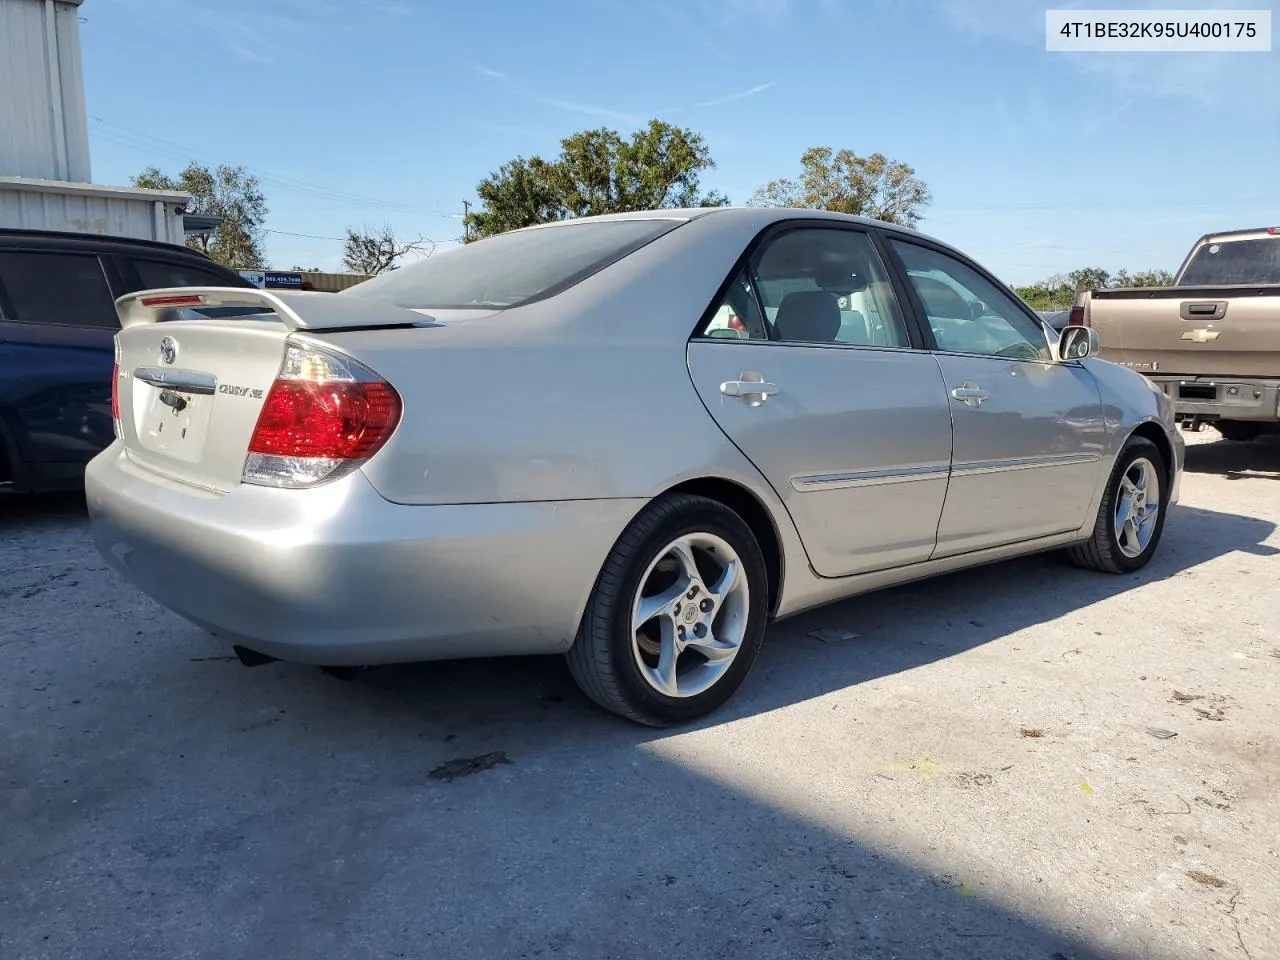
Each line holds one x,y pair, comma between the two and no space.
332,421
324,415
183,300
1274,231
115,388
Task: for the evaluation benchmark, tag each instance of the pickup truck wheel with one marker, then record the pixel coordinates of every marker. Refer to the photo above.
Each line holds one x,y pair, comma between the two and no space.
1238,431
1131,516
677,615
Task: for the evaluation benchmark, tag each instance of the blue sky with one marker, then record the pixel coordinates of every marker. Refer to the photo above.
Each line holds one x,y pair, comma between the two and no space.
358,112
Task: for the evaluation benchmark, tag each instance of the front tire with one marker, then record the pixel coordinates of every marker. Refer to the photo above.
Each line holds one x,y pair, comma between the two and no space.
1132,513
677,616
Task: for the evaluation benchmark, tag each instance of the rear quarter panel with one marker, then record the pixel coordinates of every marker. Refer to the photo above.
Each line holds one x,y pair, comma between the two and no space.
586,395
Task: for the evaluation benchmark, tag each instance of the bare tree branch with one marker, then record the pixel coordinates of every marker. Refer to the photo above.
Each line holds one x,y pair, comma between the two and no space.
374,250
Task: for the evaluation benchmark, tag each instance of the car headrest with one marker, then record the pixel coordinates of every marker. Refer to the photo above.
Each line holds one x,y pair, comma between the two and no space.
808,315
841,279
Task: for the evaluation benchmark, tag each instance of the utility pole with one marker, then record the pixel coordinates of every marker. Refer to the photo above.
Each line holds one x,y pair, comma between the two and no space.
466,222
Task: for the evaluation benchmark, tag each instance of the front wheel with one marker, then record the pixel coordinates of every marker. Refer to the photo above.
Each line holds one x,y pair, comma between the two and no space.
1131,517
677,615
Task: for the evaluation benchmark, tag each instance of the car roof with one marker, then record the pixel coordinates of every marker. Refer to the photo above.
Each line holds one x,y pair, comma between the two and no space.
72,238
758,216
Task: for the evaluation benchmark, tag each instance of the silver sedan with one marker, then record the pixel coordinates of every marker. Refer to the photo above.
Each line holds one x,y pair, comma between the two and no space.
631,440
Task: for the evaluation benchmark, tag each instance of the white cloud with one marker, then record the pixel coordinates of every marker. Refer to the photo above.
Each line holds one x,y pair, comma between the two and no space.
740,95
591,111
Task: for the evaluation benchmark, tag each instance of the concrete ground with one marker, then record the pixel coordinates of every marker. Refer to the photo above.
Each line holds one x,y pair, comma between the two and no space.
1025,761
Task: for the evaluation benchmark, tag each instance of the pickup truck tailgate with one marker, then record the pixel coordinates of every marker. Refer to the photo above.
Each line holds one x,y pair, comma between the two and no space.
1227,331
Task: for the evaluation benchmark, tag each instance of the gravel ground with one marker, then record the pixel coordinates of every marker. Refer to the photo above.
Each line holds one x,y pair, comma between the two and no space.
986,771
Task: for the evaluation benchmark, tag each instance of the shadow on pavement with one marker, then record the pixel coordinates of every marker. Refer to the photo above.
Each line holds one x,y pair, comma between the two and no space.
31,511
161,800
1256,459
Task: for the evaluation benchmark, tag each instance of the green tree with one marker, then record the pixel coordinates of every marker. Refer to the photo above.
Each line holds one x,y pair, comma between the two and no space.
1058,291
843,182
1089,278
597,172
227,192
1143,278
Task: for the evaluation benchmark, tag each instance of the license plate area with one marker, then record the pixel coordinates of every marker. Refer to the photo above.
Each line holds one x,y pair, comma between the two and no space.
172,413
1197,391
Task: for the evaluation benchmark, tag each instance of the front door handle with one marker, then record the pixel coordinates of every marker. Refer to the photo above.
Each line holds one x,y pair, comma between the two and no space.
969,393
749,387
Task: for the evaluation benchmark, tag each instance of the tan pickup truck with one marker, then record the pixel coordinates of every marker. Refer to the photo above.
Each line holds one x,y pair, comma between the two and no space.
1212,340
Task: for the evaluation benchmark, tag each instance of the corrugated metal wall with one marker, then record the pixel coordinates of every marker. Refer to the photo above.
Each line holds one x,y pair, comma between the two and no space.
82,213
43,130
331,282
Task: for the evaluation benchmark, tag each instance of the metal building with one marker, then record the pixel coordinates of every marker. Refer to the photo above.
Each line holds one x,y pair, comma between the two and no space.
43,131
44,136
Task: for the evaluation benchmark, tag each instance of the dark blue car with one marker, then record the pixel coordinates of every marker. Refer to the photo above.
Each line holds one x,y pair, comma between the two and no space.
57,323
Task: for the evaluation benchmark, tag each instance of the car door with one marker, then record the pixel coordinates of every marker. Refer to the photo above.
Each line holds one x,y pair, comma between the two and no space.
59,319
806,362
1029,429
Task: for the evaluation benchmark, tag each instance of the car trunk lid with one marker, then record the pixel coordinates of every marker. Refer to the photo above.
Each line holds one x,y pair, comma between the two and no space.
195,366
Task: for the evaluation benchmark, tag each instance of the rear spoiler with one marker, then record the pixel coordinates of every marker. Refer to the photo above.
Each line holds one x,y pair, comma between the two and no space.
296,310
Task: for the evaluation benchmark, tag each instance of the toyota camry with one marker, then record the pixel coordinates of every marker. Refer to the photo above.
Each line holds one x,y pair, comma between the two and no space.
631,440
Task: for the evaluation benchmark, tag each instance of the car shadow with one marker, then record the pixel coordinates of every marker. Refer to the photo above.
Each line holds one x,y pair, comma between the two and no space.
1255,459
163,800
965,609
41,510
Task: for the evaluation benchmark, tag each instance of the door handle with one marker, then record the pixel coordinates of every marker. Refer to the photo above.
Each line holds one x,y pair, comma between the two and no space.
750,387
969,393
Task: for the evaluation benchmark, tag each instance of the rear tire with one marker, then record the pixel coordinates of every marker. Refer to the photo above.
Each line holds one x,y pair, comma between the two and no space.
1116,546
677,615
1238,431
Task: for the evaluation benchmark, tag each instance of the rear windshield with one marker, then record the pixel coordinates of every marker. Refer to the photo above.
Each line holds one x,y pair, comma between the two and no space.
1235,261
512,268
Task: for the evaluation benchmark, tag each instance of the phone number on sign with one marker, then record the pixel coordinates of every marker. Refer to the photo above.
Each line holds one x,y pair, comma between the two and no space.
1172,28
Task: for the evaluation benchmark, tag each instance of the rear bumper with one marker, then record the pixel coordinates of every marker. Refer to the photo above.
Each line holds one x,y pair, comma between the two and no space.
1222,398
338,575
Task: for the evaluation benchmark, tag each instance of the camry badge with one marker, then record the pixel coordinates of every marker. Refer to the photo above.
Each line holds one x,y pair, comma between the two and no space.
168,350
1202,335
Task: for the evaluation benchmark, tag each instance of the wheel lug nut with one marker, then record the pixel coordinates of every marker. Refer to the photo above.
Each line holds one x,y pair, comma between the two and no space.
700,629
680,632
706,605
676,610
693,592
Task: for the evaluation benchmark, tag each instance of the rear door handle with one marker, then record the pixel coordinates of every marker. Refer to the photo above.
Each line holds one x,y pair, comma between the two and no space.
750,387
969,393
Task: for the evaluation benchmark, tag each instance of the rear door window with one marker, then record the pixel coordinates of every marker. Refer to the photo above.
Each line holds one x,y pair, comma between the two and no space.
157,274
68,289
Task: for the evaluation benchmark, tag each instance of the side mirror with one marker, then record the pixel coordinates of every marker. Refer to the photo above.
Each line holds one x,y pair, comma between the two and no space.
1077,343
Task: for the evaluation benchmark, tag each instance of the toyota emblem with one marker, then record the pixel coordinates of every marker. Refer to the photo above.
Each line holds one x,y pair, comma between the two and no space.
168,350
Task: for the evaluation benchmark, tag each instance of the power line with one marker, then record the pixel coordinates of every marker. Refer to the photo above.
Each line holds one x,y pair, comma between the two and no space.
127,137
308,236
